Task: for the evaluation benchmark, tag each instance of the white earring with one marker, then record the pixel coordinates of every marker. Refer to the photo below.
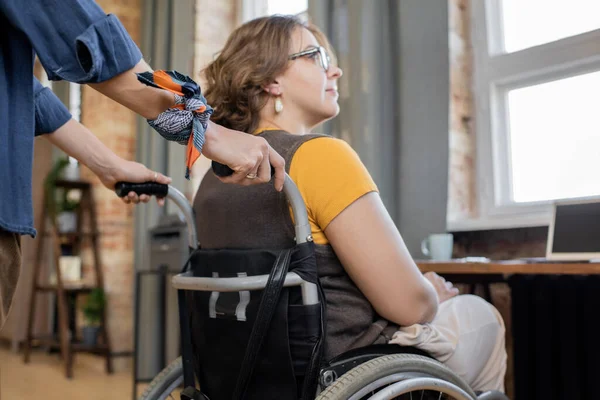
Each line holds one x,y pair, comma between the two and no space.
278,105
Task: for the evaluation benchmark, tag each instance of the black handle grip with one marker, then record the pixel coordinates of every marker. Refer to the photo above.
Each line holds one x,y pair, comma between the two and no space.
223,170
149,188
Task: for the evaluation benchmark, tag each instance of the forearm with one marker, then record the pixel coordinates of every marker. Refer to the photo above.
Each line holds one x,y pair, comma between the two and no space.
128,91
214,137
79,142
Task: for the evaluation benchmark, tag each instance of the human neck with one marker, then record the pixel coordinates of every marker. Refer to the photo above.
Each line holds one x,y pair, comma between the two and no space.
284,121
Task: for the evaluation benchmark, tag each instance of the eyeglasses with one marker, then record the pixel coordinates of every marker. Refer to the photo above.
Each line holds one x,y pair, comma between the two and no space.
320,51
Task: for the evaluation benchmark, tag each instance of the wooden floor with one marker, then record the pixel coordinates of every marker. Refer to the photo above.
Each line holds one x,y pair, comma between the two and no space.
43,378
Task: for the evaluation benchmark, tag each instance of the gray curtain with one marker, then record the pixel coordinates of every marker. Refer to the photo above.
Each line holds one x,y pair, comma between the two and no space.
394,101
167,43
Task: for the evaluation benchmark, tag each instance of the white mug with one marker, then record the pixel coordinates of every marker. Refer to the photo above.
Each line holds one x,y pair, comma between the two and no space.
438,246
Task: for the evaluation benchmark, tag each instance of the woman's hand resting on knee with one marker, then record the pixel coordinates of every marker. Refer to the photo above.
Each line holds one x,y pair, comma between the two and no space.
444,289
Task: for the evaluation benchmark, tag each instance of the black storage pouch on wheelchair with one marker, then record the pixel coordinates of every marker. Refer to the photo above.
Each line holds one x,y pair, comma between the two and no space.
222,325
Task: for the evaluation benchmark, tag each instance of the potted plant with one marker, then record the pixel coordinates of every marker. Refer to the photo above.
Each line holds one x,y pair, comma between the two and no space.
62,207
50,182
93,309
66,219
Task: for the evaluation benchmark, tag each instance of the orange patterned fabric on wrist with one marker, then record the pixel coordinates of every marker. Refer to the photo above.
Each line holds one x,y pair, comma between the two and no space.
186,122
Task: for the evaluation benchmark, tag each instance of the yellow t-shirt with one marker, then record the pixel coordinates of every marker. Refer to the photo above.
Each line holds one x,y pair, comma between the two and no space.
330,177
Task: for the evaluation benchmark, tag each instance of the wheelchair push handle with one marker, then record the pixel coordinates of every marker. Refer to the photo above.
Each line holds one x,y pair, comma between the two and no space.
150,188
223,170
163,190
302,226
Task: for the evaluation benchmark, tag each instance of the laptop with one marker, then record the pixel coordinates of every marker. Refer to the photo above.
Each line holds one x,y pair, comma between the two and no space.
574,233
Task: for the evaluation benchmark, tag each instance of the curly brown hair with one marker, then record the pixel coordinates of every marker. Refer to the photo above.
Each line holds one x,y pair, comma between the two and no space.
254,54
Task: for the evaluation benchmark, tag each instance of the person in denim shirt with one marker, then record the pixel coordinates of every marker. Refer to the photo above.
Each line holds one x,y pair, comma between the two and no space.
76,41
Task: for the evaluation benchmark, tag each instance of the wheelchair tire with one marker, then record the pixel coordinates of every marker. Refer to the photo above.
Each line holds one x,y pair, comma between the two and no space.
377,369
165,382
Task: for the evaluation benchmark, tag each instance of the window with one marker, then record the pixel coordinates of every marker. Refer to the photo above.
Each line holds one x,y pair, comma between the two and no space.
75,101
536,91
257,8
534,22
555,139
294,7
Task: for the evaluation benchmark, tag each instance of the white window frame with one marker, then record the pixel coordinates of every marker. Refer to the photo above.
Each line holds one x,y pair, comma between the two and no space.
250,9
496,73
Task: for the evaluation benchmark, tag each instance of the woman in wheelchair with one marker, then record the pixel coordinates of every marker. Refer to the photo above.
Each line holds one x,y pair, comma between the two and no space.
275,78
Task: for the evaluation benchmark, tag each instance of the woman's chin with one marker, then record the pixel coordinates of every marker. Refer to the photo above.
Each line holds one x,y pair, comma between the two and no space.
331,108
335,110
326,112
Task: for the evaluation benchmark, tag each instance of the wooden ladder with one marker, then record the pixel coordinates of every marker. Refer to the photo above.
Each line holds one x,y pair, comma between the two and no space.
64,289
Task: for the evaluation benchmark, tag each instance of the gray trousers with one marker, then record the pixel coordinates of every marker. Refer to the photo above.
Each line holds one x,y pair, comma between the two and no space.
10,267
467,335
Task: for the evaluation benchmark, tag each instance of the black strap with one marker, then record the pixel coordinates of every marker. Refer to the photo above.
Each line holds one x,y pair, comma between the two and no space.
311,377
186,341
266,309
186,333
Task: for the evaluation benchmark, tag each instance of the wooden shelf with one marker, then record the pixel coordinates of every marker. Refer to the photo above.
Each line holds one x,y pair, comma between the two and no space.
68,287
76,346
62,183
47,340
73,235
509,267
98,349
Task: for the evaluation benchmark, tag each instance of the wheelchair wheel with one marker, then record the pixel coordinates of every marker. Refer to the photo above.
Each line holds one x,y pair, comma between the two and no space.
165,383
399,376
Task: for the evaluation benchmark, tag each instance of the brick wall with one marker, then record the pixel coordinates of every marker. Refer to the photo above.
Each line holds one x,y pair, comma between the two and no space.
214,22
461,188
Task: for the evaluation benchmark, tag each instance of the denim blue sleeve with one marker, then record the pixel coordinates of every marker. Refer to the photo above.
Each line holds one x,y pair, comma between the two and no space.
50,112
74,39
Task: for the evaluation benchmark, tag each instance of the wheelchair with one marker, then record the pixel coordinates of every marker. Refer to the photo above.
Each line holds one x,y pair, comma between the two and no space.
252,327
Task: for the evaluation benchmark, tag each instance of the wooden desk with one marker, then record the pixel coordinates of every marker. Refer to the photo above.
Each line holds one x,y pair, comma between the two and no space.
508,268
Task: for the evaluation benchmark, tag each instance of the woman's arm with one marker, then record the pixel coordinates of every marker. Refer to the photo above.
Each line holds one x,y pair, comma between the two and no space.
373,253
342,200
